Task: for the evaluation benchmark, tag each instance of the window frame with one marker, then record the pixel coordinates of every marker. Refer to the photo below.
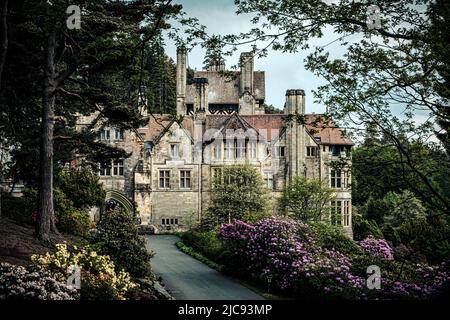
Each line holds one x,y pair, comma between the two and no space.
253,149
185,179
336,179
163,178
346,213
335,212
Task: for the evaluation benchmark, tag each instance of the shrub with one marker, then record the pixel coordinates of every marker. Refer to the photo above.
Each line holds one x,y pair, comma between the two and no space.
82,187
207,243
377,248
334,238
284,251
117,236
362,228
99,279
293,256
199,256
20,283
68,218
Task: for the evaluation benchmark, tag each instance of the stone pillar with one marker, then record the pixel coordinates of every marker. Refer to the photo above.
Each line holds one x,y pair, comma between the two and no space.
246,101
181,80
295,133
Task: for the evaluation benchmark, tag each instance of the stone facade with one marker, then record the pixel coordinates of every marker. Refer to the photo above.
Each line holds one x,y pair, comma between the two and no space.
169,175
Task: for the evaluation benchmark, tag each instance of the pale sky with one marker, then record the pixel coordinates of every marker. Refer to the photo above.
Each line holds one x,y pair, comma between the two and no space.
283,71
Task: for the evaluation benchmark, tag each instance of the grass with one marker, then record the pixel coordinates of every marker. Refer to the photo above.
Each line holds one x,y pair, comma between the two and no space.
220,268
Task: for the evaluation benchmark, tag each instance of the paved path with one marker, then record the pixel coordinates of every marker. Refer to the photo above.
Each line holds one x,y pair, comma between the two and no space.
189,279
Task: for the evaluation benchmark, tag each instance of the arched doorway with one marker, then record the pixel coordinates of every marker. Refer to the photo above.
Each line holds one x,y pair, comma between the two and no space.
115,198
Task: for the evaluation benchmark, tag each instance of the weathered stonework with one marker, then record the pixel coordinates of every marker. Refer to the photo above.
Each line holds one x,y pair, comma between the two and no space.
168,177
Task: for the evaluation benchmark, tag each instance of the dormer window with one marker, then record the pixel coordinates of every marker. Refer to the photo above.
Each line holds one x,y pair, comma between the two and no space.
175,150
105,134
118,134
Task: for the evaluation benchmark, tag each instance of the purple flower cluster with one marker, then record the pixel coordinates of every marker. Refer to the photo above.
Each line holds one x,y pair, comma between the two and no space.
284,251
377,248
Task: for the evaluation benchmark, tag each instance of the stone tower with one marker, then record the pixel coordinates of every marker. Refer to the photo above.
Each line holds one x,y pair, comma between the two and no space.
295,132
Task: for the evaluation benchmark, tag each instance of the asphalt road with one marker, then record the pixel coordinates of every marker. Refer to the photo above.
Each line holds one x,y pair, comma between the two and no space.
188,279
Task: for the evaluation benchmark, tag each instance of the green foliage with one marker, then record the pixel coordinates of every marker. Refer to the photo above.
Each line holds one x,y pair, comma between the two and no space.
83,188
270,109
333,237
199,256
117,236
207,243
102,67
70,219
362,228
238,193
407,209
160,86
306,200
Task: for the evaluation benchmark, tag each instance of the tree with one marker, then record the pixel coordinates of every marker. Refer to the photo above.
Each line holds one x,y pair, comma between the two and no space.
81,71
270,109
237,193
306,200
377,169
83,188
160,86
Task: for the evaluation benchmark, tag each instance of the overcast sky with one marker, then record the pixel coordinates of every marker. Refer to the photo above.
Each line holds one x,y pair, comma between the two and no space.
283,71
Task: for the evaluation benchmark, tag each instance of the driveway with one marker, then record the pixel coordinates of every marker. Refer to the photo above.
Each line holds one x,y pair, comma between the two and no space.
189,279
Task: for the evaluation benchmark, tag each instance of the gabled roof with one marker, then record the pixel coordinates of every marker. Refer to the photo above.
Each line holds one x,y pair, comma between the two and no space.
268,126
323,128
160,123
229,126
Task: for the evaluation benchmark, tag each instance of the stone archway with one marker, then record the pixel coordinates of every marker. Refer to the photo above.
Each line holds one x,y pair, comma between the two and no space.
121,199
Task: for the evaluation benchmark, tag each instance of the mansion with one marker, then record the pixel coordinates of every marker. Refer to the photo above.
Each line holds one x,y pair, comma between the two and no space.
167,181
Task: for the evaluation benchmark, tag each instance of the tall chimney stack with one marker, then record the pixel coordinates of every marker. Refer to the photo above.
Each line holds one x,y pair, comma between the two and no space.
181,80
295,133
246,72
295,101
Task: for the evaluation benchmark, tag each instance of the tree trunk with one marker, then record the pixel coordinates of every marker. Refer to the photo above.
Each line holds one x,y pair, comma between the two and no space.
4,37
45,221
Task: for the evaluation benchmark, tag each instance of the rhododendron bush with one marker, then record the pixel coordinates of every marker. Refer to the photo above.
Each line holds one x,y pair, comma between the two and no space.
20,283
286,253
377,247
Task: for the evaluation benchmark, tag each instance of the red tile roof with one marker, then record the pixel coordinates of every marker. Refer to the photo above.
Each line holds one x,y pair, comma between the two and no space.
325,129
270,126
